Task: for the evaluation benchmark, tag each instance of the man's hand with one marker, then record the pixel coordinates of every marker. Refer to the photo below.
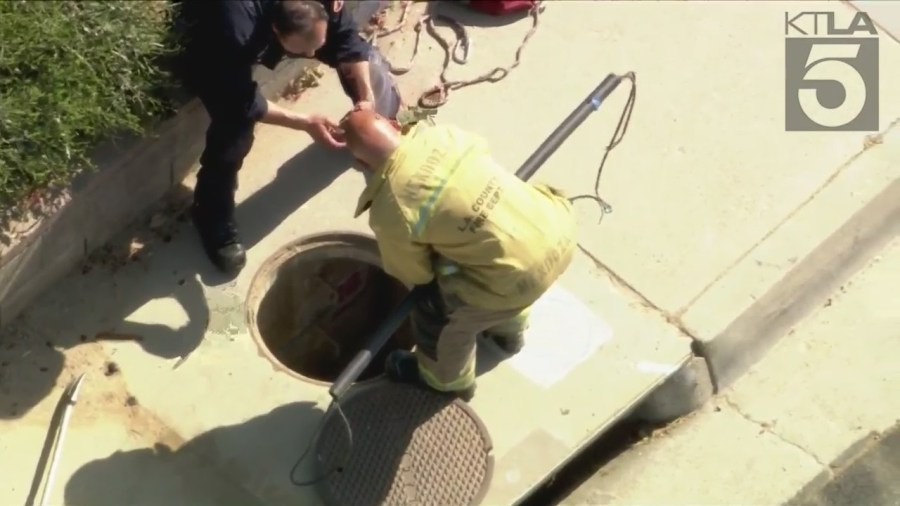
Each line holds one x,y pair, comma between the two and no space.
320,128
323,131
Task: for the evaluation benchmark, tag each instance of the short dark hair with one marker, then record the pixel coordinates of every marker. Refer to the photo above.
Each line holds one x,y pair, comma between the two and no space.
297,16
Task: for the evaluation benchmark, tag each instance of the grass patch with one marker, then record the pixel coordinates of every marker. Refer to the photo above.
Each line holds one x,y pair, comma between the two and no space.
72,74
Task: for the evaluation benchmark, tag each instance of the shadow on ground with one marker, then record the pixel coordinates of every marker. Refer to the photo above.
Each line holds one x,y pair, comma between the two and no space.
488,357
60,335
248,464
297,181
868,476
229,465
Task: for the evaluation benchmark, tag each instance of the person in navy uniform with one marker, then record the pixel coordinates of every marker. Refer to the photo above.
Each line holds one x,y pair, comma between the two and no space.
222,41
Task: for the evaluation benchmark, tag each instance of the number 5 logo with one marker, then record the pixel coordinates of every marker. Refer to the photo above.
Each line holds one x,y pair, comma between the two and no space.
831,84
826,70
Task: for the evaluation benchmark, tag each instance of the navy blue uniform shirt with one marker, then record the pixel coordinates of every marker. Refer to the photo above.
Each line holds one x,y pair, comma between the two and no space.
225,38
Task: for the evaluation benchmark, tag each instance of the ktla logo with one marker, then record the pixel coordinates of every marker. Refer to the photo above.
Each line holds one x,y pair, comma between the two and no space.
831,73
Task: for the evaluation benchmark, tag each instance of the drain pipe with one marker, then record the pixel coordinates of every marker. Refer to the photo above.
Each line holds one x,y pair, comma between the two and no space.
532,164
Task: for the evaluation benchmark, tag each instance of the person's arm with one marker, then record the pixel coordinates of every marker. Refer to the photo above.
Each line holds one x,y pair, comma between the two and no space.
236,97
282,116
405,260
348,52
357,76
240,97
321,129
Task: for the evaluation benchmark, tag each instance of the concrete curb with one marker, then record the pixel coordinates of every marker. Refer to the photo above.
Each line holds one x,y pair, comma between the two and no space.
130,178
680,394
806,286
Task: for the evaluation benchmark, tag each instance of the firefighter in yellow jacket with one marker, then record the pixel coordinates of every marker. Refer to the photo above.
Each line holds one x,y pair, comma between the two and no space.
443,209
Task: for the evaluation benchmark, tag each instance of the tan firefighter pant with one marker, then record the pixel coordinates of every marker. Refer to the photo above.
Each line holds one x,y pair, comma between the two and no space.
446,332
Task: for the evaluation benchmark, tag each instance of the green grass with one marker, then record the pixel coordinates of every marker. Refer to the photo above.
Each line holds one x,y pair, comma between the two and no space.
72,74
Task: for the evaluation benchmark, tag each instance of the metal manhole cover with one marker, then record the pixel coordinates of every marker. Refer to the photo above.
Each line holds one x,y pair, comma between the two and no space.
410,446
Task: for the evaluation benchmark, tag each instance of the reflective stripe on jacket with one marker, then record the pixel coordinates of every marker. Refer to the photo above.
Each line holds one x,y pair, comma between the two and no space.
441,205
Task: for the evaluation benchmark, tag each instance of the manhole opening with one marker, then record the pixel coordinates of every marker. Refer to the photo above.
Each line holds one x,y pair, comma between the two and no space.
320,310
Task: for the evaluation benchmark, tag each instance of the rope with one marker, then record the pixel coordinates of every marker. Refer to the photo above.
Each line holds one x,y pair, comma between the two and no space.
338,468
438,95
617,136
377,34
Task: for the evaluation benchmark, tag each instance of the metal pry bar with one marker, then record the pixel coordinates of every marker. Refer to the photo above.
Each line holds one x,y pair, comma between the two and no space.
69,398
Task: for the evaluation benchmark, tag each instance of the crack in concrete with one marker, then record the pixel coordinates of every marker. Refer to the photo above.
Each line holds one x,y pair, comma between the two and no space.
696,348
766,426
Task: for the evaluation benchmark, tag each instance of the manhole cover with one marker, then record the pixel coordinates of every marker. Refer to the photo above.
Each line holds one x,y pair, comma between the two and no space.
410,446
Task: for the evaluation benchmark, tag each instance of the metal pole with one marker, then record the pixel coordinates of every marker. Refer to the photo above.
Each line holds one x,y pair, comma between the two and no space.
568,125
71,396
393,322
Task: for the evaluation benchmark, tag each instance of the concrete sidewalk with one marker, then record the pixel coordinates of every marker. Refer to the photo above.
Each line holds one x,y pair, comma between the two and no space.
714,206
797,420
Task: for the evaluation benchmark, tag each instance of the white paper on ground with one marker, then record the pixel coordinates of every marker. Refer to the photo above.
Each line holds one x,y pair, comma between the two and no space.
656,368
564,332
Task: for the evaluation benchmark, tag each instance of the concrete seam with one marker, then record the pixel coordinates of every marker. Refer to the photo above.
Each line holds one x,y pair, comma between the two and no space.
647,303
768,428
674,321
841,168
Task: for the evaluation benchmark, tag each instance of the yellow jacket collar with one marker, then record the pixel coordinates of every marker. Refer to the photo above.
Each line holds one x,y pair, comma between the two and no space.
377,180
368,195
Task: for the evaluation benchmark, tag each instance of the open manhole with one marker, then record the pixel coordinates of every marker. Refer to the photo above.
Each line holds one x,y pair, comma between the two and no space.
315,302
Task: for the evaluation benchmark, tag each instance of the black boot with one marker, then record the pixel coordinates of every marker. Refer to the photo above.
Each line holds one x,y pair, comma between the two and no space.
220,239
509,344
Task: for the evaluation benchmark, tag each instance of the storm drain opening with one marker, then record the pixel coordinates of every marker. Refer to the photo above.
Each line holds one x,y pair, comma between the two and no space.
315,303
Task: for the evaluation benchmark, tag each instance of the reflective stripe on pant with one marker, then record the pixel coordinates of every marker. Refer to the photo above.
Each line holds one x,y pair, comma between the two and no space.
446,333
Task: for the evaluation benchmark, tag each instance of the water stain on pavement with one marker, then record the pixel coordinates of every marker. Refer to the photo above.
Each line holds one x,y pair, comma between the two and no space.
226,314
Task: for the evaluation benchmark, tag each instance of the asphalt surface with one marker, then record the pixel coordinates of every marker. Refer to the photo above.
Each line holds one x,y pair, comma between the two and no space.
871,479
